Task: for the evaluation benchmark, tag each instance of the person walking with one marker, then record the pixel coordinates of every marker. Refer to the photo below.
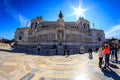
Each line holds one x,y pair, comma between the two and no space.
115,52
68,49
100,55
112,52
38,49
65,50
90,53
106,51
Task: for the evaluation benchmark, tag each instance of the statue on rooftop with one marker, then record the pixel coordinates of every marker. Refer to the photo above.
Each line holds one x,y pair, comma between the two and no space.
60,15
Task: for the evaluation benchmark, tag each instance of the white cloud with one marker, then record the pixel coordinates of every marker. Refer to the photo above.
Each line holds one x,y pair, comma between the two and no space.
22,20
113,32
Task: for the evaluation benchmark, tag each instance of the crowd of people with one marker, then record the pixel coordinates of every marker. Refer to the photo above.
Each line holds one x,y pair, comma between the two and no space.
107,52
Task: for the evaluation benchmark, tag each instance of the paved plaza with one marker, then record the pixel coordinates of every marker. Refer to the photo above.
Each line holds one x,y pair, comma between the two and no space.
21,66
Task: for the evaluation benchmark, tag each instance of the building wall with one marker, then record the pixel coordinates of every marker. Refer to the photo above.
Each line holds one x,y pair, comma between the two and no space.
21,34
49,33
98,35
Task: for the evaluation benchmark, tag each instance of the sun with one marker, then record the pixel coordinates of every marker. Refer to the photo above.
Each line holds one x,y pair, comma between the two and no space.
78,11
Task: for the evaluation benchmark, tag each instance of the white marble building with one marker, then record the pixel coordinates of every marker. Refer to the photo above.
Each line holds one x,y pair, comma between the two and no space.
50,33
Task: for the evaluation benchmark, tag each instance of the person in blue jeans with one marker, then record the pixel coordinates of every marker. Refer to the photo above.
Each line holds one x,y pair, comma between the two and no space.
112,52
115,52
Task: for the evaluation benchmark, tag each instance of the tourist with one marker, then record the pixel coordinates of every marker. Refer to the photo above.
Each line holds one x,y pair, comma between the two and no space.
66,51
112,52
106,51
100,55
96,50
38,50
90,53
115,52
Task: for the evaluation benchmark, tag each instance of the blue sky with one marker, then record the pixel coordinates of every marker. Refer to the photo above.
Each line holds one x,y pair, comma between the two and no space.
15,14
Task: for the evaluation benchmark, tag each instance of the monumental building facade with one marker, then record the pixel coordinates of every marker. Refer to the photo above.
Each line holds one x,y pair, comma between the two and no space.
59,34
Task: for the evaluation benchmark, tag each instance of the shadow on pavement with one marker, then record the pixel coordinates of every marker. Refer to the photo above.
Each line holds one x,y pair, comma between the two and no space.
114,66
16,50
118,62
23,51
110,73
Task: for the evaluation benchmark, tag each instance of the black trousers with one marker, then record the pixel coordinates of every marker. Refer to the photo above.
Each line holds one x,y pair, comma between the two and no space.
100,61
106,60
66,52
116,57
112,55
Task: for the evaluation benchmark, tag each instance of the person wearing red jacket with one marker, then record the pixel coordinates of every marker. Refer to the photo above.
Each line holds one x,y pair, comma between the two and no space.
106,51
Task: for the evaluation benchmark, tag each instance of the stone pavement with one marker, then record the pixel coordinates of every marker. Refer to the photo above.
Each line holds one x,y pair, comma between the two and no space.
21,66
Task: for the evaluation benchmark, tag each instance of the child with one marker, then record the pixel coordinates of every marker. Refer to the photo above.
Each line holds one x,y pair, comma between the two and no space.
100,55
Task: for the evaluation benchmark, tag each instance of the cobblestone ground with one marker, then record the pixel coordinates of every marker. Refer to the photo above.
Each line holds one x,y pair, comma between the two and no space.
20,66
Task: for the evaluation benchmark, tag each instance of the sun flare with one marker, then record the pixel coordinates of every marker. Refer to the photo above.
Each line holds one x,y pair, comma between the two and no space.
78,11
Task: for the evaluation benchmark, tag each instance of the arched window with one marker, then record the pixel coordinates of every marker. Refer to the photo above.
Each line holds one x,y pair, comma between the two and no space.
99,39
20,38
35,25
84,26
